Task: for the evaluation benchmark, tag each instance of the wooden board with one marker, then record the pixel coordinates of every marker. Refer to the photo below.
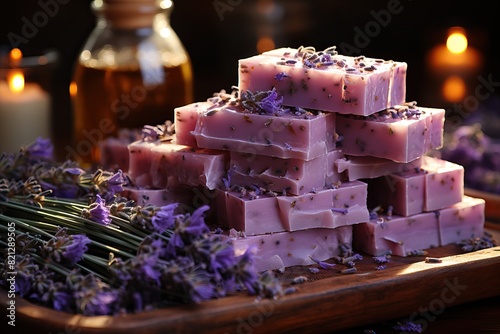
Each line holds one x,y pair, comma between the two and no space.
327,302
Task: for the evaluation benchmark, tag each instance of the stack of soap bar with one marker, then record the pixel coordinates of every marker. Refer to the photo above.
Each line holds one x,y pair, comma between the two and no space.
295,184
404,235
326,81
402,134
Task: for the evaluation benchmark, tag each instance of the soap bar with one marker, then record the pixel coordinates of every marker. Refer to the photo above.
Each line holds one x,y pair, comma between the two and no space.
185,118
140,159
230,128
254,211
366,167
159,197
292,176
444,183
325,80
249,211
397,234
462,221
173,164
327,208
435,185
404,192
298,248
113,151
401,134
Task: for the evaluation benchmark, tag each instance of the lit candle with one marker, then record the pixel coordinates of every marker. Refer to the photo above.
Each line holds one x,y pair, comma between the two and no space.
455,63
24,112
456,56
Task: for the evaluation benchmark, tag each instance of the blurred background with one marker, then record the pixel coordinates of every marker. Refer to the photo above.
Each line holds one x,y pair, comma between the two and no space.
216,33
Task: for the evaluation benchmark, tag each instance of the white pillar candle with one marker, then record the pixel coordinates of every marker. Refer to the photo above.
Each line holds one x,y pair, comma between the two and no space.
24,115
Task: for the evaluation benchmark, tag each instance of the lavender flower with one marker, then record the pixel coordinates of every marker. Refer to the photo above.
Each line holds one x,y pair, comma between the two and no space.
151,133
41,148
92,297
380,259
280,76
76,248
244,272
98,212
188,229
323,264
271,103
221,258
59,297
164,218
408,326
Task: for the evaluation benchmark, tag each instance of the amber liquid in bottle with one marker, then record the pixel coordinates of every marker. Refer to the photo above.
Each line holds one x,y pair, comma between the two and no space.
109,99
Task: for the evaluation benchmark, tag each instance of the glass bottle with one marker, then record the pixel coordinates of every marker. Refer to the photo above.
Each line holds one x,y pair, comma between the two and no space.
133,71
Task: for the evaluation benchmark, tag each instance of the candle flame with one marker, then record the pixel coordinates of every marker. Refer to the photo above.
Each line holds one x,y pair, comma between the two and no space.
16,81
73,89
457,40
15,56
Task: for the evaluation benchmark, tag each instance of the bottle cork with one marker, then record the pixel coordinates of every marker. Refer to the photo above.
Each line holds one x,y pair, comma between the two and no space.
128,14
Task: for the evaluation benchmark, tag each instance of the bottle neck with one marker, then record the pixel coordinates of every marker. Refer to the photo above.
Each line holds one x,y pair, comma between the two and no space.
129,14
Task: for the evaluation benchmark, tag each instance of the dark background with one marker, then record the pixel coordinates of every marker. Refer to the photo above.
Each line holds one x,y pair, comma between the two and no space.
215,41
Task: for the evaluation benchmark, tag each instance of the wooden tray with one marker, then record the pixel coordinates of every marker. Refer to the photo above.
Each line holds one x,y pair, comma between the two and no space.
327,302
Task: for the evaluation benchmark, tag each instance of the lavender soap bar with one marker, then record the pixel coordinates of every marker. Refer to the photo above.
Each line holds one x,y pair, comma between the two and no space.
292,176
298,248
366,167
399,235
231,128
173,165
325,80
401,134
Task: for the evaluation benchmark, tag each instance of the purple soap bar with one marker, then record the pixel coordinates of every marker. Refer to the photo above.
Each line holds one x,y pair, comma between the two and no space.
399,235
114,150
173,165
327,208
401,134
461,221
404,192
158,197
325,80
140,159
231,128
185,121
298,248
444,183
249,212
292,176
437,184
366,167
